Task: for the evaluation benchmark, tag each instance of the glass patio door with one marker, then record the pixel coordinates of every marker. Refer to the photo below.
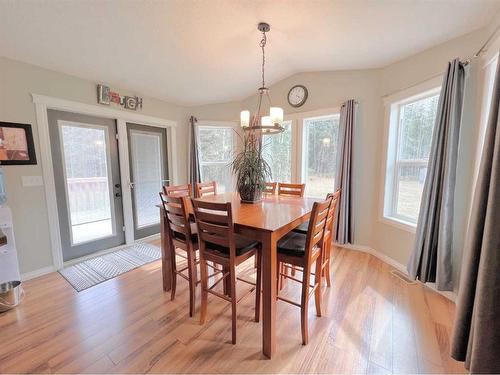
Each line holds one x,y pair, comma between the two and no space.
148,174
87,180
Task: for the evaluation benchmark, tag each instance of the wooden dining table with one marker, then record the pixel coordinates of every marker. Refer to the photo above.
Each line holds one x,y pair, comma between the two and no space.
266,221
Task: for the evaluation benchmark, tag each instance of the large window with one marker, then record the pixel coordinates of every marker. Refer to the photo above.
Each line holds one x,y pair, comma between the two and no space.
410,135
277,151
216,145
319,154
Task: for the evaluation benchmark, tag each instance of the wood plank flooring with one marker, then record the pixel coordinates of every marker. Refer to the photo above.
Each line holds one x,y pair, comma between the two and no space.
372,323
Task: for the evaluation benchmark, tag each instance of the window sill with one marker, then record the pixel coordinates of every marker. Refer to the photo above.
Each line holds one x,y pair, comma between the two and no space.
400,224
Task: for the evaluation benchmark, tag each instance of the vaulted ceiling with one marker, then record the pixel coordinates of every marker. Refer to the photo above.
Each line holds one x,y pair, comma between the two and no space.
198,52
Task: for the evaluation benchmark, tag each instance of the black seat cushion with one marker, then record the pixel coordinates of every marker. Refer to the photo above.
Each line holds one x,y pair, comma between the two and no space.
243,245
302,228
293,244
194,234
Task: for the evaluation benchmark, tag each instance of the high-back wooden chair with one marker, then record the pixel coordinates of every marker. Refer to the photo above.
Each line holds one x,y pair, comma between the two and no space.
206,188
301,251
220,245
291,189
182,234
332,214
178,190
270,187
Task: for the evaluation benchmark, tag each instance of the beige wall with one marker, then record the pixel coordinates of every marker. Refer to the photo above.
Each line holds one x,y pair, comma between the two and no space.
369,87
17,82
326,90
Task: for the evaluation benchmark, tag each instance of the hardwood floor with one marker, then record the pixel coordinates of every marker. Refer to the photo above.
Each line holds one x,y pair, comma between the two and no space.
372,323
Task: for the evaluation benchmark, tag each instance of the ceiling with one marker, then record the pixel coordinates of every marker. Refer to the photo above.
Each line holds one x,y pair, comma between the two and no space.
199,52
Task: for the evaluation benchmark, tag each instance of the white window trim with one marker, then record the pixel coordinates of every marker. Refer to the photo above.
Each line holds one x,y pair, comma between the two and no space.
220,124
391,128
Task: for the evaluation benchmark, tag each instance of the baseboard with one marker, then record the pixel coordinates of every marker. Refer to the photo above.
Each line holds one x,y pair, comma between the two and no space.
36,273
394,263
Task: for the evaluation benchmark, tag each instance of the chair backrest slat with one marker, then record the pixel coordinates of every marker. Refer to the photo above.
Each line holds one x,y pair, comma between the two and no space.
291,189
206,188
178,190
177,217
215,225
270,187
317,224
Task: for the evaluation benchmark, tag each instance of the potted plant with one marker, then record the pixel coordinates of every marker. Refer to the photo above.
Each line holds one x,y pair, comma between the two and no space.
251,170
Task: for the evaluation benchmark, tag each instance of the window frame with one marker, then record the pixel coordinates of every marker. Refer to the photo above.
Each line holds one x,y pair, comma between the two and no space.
218,125
392,139
298,128
304,142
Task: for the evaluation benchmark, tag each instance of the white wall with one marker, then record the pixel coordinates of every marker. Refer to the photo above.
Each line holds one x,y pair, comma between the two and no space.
17,82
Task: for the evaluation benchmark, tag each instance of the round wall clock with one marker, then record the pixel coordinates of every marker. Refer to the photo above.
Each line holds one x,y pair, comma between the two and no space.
297,95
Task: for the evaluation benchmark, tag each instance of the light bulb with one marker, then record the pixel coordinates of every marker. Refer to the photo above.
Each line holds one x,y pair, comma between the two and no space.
276,114
245,118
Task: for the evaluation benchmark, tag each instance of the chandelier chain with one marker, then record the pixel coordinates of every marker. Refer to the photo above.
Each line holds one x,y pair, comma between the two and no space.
263,42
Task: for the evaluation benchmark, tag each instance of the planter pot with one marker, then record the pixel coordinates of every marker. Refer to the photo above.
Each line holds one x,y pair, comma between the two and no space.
250,195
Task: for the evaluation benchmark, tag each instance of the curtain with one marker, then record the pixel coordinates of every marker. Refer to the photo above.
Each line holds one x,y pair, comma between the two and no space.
431,260
343,180
476,333
194,162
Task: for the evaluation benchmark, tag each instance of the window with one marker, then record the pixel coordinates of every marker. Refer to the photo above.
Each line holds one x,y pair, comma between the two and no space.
410,135
319,154
216,145
277,151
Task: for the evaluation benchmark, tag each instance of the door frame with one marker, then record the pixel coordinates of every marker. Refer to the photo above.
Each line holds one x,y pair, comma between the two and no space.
42,104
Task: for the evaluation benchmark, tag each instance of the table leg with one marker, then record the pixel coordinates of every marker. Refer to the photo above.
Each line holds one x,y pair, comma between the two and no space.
269,294
166,265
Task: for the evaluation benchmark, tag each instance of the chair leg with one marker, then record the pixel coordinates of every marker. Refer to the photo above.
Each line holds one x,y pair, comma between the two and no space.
226,283
204,288
174,276
233,303
304,305
192,281
279,269
317,281
327,266
258,286
293,271
255,263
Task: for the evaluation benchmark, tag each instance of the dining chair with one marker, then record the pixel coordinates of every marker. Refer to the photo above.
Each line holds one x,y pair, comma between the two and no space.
182,234
220,245
327,242
178,190
291,189
270,187
301,251
206,188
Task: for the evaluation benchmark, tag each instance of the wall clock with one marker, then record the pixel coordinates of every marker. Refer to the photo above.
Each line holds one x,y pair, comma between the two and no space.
297,96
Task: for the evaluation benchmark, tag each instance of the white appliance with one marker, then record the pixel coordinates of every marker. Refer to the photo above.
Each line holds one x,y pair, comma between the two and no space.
9,265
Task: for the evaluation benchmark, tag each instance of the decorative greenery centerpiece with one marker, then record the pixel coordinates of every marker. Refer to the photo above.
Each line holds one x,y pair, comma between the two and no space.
251,170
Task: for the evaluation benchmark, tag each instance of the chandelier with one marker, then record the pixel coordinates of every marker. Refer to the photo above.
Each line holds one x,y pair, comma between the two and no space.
271,124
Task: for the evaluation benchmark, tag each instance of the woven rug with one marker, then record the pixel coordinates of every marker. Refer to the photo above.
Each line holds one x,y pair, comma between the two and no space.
96,270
